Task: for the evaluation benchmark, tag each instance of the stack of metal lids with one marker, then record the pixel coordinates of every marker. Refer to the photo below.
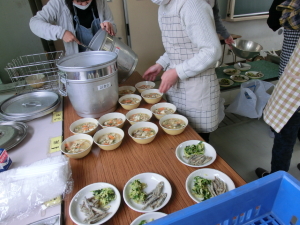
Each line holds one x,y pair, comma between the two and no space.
12,133
28,106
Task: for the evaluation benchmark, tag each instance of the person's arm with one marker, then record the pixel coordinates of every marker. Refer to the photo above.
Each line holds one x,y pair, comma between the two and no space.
164,61
274,15
198,20
43,24
220,28
161,64
108,16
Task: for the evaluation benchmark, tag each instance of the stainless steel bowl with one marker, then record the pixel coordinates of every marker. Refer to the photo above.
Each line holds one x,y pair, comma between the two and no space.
246,49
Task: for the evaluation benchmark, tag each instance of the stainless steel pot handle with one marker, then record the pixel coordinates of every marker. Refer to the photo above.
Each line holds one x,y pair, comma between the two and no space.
62,84
31,104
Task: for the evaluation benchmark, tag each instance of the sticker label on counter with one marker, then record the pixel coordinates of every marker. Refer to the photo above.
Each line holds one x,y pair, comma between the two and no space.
52,202
103,86
57,116
55,144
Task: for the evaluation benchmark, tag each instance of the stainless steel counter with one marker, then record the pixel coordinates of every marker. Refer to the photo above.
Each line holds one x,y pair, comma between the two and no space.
35,147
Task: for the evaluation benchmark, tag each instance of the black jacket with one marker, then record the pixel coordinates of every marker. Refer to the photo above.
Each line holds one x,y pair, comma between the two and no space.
274,15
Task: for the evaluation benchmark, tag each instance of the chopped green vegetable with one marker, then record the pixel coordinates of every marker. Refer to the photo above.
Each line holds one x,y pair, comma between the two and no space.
200,188
104,195
224,82
143,222
136,192
194,149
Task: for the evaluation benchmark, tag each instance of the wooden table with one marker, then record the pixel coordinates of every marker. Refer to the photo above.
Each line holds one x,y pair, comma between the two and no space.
118,166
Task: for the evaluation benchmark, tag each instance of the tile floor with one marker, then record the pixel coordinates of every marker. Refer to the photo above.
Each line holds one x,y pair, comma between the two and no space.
246,145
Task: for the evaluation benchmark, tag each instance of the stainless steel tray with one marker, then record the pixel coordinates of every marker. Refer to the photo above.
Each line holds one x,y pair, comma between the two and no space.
53,220
12,133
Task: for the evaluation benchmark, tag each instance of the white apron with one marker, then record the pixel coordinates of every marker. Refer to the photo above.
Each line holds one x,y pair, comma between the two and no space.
197,98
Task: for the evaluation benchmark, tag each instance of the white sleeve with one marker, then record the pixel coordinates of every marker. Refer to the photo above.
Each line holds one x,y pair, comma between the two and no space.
107,15
43,24
197,18
164,61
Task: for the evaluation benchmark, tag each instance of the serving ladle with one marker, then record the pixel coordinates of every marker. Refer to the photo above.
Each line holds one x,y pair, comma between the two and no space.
87,47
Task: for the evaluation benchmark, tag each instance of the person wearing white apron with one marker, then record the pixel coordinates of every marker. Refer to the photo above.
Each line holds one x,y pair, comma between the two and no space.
59,19
192,49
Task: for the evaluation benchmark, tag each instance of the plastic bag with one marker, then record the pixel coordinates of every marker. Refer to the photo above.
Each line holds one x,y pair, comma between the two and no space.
251,99
23,189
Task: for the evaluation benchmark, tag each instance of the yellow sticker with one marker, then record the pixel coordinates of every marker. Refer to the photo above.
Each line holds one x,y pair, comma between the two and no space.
57,116
55,144
52,202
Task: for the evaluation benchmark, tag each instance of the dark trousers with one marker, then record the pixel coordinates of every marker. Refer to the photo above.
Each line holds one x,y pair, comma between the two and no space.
205,136
284,142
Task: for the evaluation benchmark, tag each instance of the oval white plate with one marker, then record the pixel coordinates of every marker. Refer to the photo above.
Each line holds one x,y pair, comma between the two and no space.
228,69
148,216
254,72
74,209
223,85
239,81
207,174
209,151
244,68
151,179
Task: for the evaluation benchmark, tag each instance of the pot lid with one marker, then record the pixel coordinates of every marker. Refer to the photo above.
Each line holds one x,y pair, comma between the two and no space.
11,134
86,61
29,103
29,117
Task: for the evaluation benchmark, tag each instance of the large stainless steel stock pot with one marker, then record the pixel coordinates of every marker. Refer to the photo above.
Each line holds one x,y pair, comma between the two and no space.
127,59
90,80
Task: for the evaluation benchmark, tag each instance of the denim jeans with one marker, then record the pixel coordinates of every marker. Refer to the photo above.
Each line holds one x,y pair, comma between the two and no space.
284,142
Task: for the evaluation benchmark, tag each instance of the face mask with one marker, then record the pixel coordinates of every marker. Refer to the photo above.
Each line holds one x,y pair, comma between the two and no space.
82,7
160,2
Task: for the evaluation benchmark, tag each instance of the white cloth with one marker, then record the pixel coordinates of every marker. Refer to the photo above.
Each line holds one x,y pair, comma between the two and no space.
192,48
55,18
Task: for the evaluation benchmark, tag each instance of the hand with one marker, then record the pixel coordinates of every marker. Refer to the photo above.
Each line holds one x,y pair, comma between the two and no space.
108,27
229,41
168,79
152,72
70,37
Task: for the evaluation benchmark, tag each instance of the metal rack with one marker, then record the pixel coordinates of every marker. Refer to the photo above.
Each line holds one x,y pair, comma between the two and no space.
40,68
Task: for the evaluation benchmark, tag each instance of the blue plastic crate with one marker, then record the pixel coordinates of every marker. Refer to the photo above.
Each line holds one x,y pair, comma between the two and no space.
272,200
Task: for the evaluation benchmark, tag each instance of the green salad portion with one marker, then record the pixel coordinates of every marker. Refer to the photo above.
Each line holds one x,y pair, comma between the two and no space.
136,192
224,82
200,188
143,222
197,149
104,195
